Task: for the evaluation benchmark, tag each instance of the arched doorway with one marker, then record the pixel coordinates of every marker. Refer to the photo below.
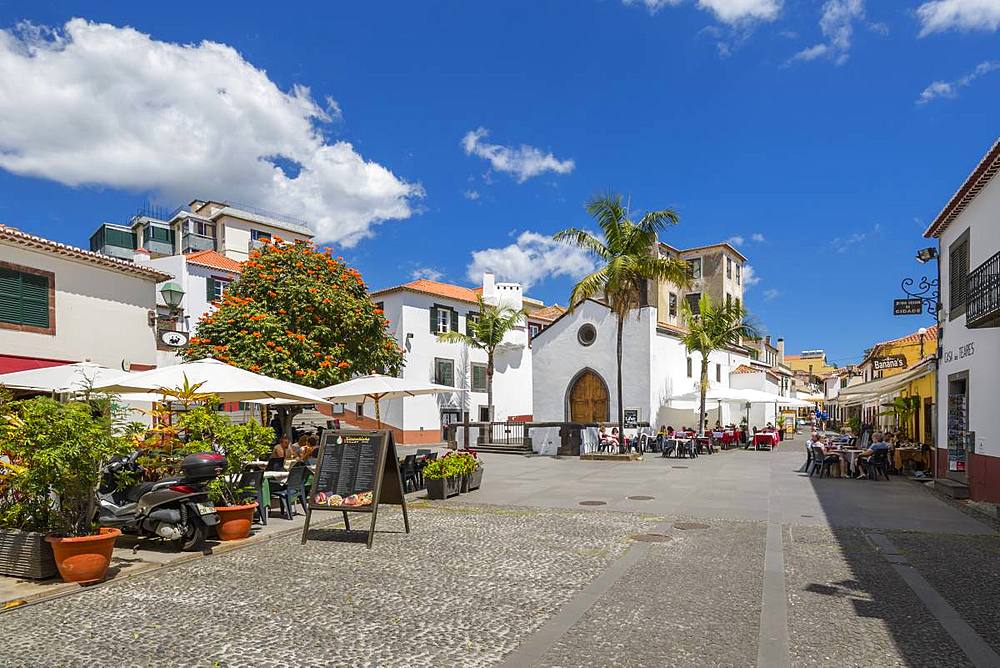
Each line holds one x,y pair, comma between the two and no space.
588,398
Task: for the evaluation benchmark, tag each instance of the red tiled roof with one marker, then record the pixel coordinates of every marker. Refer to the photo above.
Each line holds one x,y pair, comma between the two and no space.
214,260
745,368
973,184
15,236
930,335
428,287
547,313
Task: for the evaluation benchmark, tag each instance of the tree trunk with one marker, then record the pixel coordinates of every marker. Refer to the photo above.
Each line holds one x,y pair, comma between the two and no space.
489,385
704,389
621,407
286,414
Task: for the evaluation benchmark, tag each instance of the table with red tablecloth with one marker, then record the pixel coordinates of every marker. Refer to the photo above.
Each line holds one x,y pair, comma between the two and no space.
768,438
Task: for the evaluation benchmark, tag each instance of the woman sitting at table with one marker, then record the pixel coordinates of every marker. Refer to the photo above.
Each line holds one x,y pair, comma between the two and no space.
878,445
278,455
307,448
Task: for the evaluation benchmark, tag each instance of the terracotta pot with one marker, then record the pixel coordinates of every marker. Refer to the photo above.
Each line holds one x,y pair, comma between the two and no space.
235,521
84,559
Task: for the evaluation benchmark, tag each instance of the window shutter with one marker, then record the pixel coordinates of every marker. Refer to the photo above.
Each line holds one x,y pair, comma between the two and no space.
210,289
434,320
34,300
454,321
10,296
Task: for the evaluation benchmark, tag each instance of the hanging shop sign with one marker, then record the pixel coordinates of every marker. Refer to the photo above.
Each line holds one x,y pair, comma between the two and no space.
912,306
889,362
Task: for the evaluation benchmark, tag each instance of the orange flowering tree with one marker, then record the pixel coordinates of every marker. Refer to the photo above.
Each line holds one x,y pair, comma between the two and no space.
297,314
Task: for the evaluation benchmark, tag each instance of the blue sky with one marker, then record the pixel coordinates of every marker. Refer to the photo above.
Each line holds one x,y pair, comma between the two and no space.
440,138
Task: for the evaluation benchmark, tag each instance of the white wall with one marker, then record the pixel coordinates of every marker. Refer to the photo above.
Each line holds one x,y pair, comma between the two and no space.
235,241
409,313
981,219
558,357
101,314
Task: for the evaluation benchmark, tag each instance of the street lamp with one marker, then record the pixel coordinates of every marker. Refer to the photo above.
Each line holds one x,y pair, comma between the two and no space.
925,255
922,332
172,294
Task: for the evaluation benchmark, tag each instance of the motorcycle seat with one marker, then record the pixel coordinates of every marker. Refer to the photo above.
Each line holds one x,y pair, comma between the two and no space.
136,492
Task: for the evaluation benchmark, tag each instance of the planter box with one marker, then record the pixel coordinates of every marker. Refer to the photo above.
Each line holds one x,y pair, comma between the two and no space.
26,554
472,481
442,488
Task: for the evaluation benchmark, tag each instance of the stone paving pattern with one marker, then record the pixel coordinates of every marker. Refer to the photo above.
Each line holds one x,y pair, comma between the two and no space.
694,601
461,590
965,570
848,607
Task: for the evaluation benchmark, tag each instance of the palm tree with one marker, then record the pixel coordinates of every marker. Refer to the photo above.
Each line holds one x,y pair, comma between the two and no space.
486,332
629,256
714,327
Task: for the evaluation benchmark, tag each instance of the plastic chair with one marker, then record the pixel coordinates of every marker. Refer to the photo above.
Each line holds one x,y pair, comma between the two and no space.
821,462
669,446
292,490
252,484
408,471
878,464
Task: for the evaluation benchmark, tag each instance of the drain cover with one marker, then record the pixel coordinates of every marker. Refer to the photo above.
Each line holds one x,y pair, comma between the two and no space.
690,525
678,467
641,497
593,503
805,515
650,537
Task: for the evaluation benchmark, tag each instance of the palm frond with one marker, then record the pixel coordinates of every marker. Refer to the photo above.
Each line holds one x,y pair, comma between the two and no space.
607,210
458,337
654,221
589,287
583,239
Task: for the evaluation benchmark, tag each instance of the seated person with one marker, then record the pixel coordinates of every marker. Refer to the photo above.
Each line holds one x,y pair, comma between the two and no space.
604,439
278,455
718,426
671,433
878,445
307,448
615,438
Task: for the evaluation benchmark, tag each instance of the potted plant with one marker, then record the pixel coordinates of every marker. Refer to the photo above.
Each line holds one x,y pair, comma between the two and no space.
780,421
443,477
472,471
55,453
203,427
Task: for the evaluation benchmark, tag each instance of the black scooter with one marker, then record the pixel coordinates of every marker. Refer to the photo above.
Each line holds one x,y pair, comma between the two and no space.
174,509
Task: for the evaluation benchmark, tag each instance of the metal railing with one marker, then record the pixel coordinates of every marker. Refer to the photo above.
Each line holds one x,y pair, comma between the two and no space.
507,433
983,294
192,241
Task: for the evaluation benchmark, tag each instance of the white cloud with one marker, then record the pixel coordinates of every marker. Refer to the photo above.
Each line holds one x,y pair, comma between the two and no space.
844,244
429,273
94,104
735,240
771,294
941,15
532,258
950,89
758,237
522,162
750,276
726,11
471,194
837,26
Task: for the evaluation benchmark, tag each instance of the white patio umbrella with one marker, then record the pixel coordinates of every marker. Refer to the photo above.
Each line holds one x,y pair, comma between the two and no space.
64,378
378,387
227,382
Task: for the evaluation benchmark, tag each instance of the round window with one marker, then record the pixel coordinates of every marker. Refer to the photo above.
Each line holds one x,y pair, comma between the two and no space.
587,334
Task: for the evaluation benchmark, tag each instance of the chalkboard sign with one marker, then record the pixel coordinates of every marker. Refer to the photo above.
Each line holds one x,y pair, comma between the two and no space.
355,472
631,418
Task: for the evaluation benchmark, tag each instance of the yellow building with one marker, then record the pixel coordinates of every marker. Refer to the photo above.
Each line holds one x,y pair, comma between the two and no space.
903,367
812,362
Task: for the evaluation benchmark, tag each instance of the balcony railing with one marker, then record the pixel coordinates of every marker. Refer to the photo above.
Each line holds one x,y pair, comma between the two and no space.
191,242
983,308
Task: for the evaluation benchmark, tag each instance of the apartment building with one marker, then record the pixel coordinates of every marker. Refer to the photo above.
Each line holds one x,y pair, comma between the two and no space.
716,270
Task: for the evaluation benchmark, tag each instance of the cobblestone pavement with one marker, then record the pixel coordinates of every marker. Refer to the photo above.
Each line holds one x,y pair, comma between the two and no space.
461,590
567,585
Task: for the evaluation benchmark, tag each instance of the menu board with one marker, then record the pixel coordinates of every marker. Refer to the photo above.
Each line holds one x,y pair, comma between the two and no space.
355,472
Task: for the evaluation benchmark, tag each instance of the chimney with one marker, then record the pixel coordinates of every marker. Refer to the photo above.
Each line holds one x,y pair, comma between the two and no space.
489,288
141,256
781,350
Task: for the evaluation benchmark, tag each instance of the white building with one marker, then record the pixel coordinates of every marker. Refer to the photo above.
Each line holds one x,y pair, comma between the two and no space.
60,304
575,372
417,312
968,422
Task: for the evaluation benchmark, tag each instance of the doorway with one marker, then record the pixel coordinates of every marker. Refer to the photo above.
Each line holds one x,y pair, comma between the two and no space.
588,399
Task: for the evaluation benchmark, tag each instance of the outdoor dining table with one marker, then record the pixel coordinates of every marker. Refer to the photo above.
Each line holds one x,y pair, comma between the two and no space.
901,455
849,457
768,438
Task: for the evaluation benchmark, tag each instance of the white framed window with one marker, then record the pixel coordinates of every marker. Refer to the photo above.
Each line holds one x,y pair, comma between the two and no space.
442,320
694,265
729,267
219,288
693,300
533,330
672,304
444,371
739,273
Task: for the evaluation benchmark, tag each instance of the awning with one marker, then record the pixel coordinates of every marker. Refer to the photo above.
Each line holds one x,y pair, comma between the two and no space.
873,389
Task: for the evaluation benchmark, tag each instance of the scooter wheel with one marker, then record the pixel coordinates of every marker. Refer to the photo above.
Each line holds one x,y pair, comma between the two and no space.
194,540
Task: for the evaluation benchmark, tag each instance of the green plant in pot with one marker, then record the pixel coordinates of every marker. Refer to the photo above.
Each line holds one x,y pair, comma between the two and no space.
202,428
58,451
780,421
443,476
472,470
